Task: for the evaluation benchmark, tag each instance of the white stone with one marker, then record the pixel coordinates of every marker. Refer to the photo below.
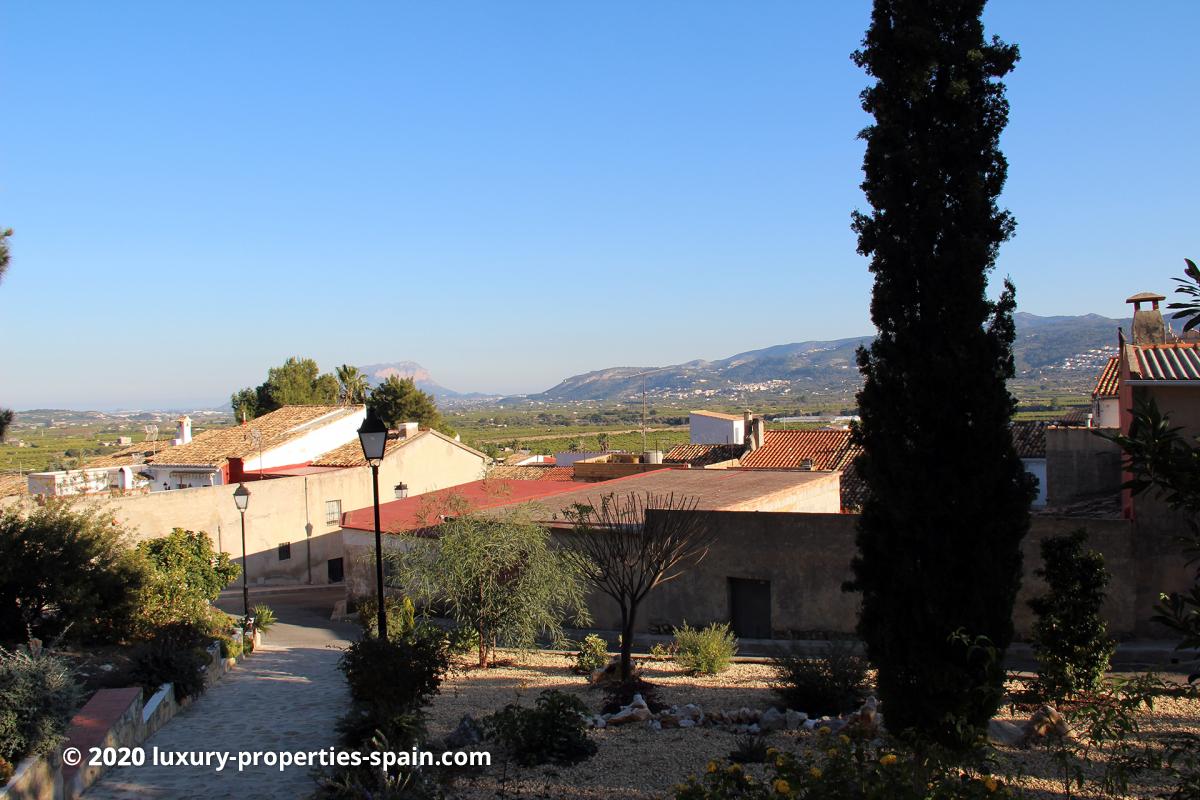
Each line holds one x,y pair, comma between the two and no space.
771,720
794,719
687,723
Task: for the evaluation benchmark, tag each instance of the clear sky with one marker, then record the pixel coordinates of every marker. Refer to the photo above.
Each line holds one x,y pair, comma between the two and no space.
513,192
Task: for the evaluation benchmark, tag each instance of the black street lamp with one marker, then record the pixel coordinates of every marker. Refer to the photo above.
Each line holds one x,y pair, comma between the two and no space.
372,435
241,499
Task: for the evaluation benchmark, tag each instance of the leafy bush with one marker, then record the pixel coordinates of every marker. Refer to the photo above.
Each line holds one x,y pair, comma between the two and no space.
847,768
593,654
552,731
66,567
830,683
705,651
264,617
37,698
401,616
366,782
662,652
176,655
389,683
1070,637
186,575
463,639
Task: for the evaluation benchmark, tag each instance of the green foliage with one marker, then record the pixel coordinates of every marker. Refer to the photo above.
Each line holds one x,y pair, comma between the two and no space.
366,782
829,684
498,576
390,681
185,575
1166,464
64,567
750,749
352,384
592,655
848,769
705,651
401,616
1189,286
37,699
398,400
264,617
297,382
940,532
175,655
1070,638
553,731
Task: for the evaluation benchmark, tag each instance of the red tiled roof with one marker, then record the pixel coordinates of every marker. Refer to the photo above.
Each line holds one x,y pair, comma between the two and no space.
531,472
215,447
1106,385
414,513
1174,361
701,455
828,450
1029,438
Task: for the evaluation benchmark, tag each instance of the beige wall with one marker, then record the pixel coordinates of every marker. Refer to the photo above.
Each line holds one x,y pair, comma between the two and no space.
282,509
1080,465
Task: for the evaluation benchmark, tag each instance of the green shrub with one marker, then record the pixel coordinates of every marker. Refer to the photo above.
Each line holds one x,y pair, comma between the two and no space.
463,639
66,567
401,616
390,680
366,782
1070,638
37,698
176,655
830,683
705,651
264,617
662,652
186,575
553,731
751,749
593,654
848,769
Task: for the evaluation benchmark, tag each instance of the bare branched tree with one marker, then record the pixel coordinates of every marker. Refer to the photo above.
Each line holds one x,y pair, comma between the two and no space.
632,544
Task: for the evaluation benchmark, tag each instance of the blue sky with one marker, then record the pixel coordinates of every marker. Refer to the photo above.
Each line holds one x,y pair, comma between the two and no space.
510,193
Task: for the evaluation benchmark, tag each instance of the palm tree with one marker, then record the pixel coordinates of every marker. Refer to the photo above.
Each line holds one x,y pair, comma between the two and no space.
6,416
352,383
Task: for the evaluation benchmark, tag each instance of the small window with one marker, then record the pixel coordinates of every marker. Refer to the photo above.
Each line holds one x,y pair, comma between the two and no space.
285,551
333,512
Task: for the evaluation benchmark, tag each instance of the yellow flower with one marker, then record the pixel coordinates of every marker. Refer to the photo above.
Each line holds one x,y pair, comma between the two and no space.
712,766
734,768
822,731
781,786
815,772
888,760
779,761
831,752
991,783
844,739
772,752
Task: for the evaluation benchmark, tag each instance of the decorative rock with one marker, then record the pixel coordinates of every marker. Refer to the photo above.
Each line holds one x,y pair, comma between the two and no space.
1046,721
654,725
599,723
1008,733
747,715
669,720
753,728
638,702
687,723
771,720
794,719
691,711
468,732
809,724
629,714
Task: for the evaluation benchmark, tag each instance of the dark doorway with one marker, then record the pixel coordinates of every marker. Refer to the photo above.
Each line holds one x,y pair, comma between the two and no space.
750,608
335,570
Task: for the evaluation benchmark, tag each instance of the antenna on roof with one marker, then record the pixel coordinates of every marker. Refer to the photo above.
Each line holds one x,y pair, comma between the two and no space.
151,432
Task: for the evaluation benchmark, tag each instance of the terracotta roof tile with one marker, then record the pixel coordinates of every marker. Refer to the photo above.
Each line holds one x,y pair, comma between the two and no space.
133,455
1106,384
1029,437
702,455
350,454
1174,361
532,472
827,450
12,483
213,448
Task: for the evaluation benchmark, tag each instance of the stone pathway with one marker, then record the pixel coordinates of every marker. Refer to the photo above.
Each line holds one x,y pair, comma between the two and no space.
282,698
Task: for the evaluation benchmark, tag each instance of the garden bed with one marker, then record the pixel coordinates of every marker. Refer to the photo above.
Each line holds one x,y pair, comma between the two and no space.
634,761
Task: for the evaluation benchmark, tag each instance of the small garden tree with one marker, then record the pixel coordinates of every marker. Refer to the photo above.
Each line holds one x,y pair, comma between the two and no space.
1070,637
186,576
65,566
398,400
631,545
497,575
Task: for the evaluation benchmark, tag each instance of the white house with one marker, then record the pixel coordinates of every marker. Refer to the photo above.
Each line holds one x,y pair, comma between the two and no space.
713,427
1106,407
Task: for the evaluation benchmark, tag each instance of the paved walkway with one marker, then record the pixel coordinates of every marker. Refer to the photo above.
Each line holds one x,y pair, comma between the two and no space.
285,697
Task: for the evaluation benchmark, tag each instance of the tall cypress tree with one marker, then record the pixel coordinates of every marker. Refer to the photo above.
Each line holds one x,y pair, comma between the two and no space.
939,560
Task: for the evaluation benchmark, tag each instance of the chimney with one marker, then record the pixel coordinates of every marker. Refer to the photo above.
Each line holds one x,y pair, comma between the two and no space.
183,430
748,430
760,432
1148,324
409,429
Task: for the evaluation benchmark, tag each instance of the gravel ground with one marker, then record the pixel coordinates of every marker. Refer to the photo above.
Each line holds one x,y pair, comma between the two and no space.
634,762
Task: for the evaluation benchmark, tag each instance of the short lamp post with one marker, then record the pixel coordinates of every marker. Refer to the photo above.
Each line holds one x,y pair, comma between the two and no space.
372,435
241,498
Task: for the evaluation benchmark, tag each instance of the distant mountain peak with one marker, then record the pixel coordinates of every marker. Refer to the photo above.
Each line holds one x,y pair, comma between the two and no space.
378,373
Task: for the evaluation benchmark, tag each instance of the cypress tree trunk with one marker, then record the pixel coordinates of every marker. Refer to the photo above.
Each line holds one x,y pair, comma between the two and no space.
939,538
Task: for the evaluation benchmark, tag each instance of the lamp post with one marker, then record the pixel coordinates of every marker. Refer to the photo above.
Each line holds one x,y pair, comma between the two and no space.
241,499
372,435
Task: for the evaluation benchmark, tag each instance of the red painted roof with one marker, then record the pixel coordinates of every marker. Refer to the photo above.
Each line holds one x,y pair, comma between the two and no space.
1174,361
1106,385
829,450
414,513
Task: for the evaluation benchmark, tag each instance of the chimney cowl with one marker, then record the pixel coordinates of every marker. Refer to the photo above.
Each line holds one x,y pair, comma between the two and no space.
1148,324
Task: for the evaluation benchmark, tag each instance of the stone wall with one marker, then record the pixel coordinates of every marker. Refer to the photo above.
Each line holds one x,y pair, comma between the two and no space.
1080,466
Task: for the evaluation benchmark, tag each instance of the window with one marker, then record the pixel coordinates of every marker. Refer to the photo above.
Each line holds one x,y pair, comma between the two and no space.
285,551
333,512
